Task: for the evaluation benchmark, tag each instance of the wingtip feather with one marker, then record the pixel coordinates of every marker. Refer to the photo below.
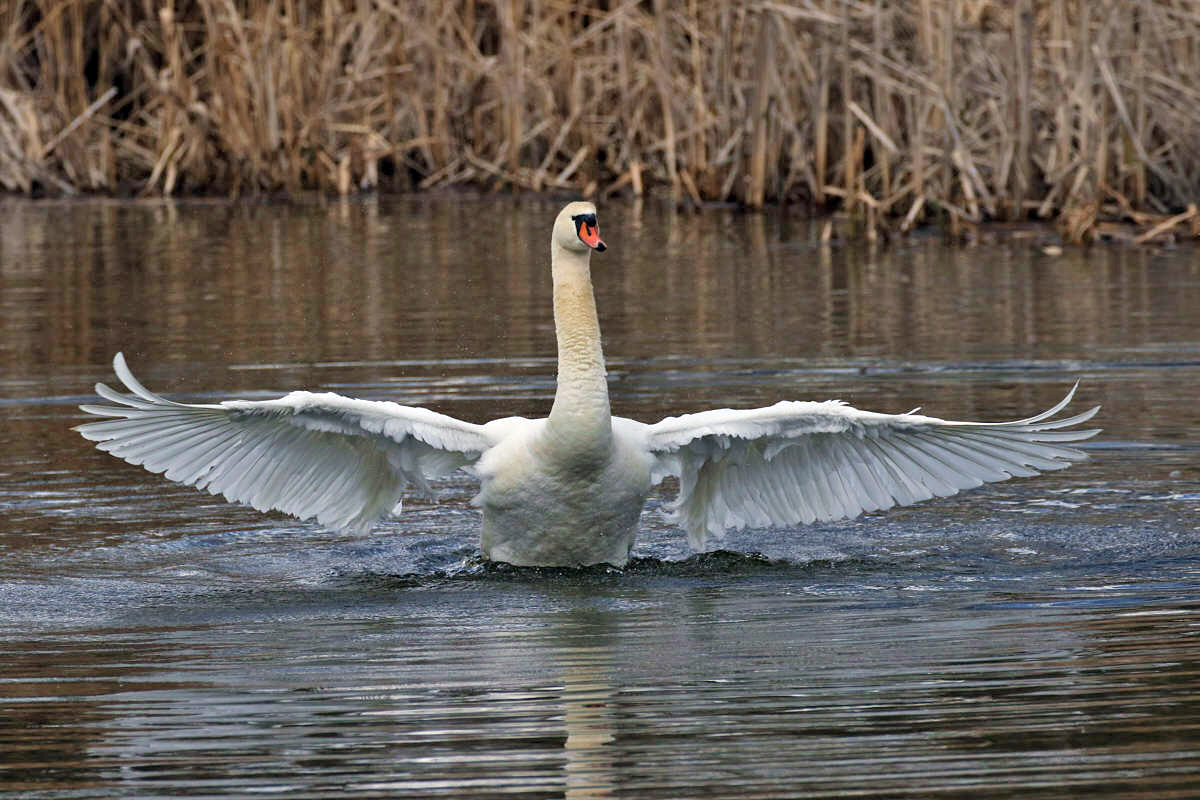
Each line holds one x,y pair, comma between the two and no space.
1050,412
132,383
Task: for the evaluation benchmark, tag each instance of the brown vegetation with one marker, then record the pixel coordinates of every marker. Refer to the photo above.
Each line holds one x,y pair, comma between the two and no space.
960,110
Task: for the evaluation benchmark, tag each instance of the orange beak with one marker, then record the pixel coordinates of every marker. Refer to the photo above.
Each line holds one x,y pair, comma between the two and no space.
590,235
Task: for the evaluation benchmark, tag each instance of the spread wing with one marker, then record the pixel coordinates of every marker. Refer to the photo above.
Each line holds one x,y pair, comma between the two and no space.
799,462
343,461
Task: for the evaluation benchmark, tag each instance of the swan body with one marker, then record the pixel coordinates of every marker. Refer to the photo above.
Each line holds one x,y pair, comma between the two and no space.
567,490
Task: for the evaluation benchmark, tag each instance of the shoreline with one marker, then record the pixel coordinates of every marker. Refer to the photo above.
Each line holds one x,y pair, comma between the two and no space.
897,115
837,227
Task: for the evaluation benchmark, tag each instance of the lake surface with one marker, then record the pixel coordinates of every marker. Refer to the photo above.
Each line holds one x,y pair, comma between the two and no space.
1035,638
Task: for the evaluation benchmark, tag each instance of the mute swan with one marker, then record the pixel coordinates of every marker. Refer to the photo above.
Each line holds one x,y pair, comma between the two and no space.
568,490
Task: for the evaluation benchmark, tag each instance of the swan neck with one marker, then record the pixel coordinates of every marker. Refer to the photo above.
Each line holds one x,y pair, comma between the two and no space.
581,397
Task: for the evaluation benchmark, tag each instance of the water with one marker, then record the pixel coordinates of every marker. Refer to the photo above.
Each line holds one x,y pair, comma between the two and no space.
1036,638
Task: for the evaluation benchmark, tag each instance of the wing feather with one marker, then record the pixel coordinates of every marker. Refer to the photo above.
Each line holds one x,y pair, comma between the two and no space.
861,465
957,472
803,462
808,497
839,483
993,463
927,474
905,488
343,461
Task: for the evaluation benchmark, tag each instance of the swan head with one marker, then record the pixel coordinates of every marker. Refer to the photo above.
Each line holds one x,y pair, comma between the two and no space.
576,229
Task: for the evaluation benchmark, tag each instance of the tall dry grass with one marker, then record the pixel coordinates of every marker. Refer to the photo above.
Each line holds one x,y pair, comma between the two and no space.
962,110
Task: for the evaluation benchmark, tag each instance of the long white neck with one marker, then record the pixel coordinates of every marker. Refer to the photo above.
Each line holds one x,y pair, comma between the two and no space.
581,410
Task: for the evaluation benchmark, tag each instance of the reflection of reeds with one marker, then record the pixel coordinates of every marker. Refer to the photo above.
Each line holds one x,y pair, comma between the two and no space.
963,109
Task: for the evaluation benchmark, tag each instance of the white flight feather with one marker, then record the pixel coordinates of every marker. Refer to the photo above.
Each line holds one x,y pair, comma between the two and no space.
800,462
340,460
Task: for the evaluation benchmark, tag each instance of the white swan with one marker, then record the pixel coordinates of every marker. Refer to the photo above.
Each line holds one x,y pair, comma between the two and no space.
568,490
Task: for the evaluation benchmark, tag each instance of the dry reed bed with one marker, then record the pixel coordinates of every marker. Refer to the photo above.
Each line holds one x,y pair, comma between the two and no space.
898,113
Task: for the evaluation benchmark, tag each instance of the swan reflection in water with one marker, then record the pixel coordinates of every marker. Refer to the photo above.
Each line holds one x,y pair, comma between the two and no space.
587,701
567,490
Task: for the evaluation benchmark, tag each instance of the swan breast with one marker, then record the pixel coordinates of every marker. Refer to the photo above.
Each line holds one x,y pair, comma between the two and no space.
548,506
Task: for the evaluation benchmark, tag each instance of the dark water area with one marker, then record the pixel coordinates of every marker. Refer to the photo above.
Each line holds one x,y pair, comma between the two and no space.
1034,638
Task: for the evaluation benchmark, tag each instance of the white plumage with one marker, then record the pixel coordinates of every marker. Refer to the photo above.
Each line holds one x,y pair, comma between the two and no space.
803,462
568,489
